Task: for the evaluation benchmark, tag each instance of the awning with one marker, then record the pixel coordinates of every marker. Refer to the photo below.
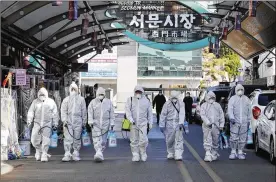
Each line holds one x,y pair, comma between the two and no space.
257,34
46,27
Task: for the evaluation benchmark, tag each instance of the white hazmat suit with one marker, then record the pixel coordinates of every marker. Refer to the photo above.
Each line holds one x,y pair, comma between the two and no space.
240,117
139,113
74,118
172,120
101,117
213,122
43,112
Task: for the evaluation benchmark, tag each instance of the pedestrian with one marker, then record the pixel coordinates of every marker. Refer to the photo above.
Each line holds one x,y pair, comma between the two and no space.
188,100
239,116
139,113
171,124
101,120
74,118
43,112
159,100
213,122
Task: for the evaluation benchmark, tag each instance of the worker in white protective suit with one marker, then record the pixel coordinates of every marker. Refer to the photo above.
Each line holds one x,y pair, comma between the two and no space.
43,112
74,118
171,124
240,117
213,122
139,113
101,119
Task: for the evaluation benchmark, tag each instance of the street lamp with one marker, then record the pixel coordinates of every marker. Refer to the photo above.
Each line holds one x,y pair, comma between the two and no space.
269,63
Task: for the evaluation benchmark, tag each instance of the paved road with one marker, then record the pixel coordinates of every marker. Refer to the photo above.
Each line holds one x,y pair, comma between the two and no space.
118,166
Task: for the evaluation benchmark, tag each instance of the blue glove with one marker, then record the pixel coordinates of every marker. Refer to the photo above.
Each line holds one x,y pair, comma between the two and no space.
232,121
162,129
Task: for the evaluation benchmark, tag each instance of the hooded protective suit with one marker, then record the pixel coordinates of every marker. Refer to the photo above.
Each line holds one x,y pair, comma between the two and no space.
74,117
240,116
44,113
101,117
139,111
213,121
172,119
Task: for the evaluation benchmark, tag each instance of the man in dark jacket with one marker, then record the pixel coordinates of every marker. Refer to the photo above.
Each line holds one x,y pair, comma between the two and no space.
159,100
188,106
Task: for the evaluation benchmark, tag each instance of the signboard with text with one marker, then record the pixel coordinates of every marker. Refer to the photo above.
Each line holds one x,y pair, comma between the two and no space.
162,21
20,77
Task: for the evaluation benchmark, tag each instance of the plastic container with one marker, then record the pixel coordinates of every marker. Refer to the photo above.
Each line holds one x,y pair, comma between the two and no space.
186,127
249,137
112,140
25,147
54,140
85,138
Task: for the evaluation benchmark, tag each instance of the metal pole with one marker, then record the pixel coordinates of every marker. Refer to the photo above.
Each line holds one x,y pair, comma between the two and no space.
43,42
8,8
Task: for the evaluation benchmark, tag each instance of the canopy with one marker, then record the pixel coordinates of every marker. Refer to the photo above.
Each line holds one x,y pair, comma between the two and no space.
46,29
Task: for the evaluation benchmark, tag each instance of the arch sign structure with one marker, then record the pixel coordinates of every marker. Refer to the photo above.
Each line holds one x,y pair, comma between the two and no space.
167,26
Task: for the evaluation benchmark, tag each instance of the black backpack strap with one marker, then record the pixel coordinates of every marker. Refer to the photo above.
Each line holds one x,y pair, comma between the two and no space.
175,107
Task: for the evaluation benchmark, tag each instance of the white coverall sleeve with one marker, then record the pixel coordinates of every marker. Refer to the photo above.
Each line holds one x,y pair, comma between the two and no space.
55,114
31,113
90,113
221,117
83,112
203,114
112,116
181,113
163,115
64,110
150,114
231,108
128,110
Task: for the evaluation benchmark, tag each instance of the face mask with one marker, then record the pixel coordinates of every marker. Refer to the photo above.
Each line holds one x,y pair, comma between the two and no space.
188,95
211,101
101,97
240,93
174,100
160,93
138,96
42,98
73,93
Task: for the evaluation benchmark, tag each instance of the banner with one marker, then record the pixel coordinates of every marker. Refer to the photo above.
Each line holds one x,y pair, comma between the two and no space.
20,77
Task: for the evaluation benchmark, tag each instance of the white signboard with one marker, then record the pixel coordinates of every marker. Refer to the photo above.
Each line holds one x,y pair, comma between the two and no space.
20,77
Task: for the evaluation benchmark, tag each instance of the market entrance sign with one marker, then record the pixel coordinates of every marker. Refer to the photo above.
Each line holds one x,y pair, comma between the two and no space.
163,25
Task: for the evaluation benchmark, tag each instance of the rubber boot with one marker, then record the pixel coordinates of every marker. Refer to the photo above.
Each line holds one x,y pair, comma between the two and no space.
241,155
98,157
144,157
37,155
136,158
67,157
170,156
76,156
44,157
233,155
208,156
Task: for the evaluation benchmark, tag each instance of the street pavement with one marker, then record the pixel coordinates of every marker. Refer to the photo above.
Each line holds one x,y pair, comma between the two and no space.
118,166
